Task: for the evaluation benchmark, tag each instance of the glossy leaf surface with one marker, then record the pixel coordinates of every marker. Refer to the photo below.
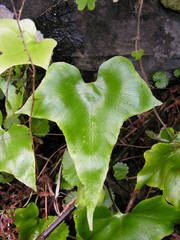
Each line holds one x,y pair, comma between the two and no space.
30,226
83,3
17,156
90,115
162,170
151,219
12,48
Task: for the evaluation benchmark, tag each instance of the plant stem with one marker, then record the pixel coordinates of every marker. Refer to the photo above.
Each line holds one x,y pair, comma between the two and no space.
68,209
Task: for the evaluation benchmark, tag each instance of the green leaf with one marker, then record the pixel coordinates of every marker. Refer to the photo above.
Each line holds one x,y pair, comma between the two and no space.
167,134
17,156
151,219
12,48
162,170
40,127
120,171
82,4
30,226
14,98
69,171
177,73
137,54
91,115
6,178
161,79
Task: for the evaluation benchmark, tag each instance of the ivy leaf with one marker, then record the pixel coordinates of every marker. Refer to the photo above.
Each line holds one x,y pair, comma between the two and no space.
120,171
161,79
90,115
40,127
150,219
12,48
162,170
137,54
30,226
82,4
177,73
17,156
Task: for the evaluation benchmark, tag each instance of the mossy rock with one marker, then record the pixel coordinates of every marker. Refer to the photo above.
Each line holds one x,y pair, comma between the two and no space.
172,4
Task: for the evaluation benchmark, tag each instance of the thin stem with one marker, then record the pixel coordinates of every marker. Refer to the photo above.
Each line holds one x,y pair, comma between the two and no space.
131,201
68,209
30,60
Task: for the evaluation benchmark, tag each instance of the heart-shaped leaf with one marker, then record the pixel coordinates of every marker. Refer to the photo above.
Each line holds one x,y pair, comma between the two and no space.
12,48
30,226
90,115
162,170
151,219
82,4
17,156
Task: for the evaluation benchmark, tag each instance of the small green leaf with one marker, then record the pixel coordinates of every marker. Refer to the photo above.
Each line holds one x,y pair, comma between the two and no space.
162,170
151,219
30,226
17,156
137,54
160,79
120,171
40,127
82,4
177,73
12,48
167,134
91,115
13,98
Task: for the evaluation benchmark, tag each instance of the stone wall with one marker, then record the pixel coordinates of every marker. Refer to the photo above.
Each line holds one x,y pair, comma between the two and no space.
88,38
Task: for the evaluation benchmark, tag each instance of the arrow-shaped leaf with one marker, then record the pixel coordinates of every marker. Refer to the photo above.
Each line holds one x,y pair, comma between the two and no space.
151,219
90,115
162,170
12,50
17,156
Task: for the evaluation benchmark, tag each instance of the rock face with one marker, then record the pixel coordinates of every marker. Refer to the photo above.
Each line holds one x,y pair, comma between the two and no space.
172,4
88,38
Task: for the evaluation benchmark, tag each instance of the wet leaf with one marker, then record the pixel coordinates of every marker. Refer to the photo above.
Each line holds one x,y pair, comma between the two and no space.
17,156
12,48
91,115
151,219
162,170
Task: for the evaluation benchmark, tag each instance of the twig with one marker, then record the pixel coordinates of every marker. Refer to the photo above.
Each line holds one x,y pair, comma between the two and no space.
30,60
21,9
68,209
131,201
176,236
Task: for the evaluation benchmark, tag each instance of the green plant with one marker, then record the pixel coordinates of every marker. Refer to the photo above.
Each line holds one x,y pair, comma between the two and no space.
177,73
90,116
160,79
137,54
82,4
